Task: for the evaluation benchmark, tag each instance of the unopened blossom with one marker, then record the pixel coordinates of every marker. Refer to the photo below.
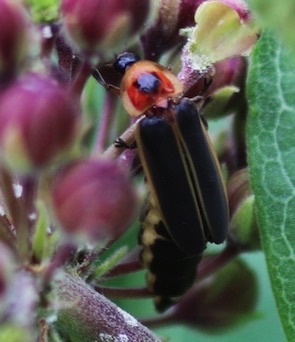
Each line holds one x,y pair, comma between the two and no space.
94,198
38,120
14,28
100,26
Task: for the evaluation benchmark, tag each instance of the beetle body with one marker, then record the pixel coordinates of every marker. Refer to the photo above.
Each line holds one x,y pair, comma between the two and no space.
187,204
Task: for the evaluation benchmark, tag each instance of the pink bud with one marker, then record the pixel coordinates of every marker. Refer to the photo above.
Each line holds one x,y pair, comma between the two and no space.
226,90
37,122
94,197
163,34
13,36
229,72
221,301
99,25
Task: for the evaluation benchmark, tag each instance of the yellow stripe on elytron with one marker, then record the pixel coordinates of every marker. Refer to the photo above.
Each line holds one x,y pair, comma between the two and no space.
147,174
183,151
216,162
216,165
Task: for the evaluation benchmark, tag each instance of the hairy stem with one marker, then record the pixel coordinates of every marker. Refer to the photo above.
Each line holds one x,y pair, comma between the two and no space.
87,315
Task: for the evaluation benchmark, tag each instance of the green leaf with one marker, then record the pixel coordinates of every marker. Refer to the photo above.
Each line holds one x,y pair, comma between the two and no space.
278,15
271,154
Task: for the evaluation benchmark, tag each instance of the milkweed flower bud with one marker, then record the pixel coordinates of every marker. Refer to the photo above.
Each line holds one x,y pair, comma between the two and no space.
243,228
37,122
99,25
13,36
94,197
221,301
229,72
170,17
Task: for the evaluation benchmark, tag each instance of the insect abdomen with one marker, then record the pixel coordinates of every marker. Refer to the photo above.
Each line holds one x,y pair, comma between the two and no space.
171,272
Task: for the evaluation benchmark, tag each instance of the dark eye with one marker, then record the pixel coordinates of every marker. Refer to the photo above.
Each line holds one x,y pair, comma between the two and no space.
124,61
148,83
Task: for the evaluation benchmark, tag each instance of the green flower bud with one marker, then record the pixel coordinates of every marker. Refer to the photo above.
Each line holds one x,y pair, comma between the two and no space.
243,228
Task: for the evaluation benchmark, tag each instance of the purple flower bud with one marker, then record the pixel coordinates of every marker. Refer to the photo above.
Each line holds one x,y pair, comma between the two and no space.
37,122
94,197
163,33
221,301
13,37
229,72
226,90
99,25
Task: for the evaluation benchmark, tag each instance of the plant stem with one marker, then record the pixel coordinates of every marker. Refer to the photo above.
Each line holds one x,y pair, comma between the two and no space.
19,216
30,187
89,316
129,264
116,292
125,157
106,120
6,233
81,78
60,258
207,268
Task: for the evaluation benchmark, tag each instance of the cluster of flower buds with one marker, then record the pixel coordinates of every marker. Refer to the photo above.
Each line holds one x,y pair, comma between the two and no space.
57,184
